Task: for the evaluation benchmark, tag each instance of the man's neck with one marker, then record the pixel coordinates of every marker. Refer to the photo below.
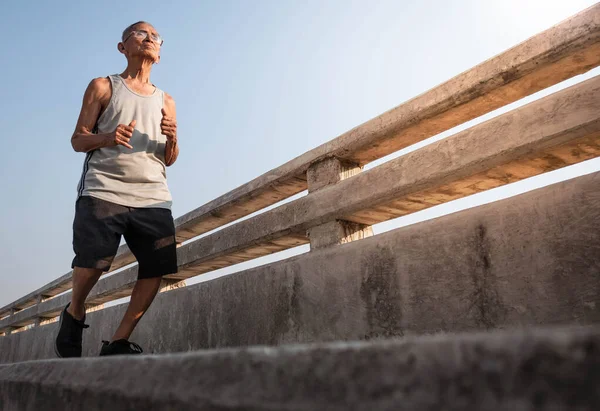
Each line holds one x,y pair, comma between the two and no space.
138,71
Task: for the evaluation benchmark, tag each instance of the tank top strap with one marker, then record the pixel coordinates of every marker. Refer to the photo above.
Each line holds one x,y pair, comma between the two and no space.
116,83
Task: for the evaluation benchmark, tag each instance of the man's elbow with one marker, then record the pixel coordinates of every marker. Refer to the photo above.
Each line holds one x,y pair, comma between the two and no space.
76,144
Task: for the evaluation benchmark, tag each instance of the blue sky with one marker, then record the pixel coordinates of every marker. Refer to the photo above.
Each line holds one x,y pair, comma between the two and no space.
257,83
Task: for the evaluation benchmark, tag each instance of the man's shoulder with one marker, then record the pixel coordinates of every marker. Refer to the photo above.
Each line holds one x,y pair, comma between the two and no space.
168,99
100,88
99,84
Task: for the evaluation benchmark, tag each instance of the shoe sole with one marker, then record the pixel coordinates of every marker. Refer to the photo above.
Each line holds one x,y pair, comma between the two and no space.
59,327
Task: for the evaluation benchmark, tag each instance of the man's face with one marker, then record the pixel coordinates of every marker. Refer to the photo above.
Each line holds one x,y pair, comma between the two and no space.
139,43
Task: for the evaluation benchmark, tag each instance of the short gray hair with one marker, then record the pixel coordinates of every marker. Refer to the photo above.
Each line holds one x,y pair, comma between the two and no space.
130,27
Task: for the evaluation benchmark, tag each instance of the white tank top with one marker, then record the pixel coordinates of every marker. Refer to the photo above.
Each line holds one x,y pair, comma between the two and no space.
130,177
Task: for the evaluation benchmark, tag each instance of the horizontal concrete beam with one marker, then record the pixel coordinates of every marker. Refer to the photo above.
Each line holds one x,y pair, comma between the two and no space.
558,130
563,51
542,369
528,260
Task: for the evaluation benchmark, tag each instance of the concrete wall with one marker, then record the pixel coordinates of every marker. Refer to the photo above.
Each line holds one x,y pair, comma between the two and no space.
531,259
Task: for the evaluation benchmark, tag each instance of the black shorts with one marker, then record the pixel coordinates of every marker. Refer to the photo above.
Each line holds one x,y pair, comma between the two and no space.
149,233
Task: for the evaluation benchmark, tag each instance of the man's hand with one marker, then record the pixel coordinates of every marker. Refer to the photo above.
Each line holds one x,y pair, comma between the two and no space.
122,134
168,127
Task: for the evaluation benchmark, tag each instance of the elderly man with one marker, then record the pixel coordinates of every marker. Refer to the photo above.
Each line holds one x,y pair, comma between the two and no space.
128,131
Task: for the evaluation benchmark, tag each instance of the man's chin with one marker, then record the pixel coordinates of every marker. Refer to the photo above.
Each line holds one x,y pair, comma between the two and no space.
147,54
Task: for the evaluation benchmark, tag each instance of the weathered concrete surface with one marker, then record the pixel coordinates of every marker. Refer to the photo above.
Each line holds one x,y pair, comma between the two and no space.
550,133
552,369
528,260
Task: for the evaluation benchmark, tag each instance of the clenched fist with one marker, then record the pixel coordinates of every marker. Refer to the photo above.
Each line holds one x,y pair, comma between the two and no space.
168,127
122,134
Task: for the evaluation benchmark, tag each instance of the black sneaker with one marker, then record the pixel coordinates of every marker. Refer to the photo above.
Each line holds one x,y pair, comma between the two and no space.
70,331
120,347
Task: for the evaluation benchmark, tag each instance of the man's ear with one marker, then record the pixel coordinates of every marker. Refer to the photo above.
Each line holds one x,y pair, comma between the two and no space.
157,59
121,48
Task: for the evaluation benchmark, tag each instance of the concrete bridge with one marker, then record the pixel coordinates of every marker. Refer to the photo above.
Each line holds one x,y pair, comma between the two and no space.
496,307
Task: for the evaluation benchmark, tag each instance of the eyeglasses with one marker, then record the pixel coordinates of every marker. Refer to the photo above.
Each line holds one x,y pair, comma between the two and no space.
143,34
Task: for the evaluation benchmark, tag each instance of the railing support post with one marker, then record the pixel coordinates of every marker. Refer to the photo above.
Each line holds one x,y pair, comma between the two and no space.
90,308
319,176
168,284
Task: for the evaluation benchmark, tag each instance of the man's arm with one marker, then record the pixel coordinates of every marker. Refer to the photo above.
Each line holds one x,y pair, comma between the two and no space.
168,127
95,97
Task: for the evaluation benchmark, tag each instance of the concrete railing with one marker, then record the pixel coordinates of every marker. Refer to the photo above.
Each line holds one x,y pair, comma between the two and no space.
343,201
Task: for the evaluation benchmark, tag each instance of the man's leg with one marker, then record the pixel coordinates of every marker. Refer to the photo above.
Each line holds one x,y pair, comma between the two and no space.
97,230
151,238
142,296
84,280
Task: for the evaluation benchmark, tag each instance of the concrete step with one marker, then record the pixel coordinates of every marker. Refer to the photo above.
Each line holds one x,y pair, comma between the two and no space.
535,369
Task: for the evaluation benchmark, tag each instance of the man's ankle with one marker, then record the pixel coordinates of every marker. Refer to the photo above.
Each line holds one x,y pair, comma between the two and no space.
77,313
119,337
